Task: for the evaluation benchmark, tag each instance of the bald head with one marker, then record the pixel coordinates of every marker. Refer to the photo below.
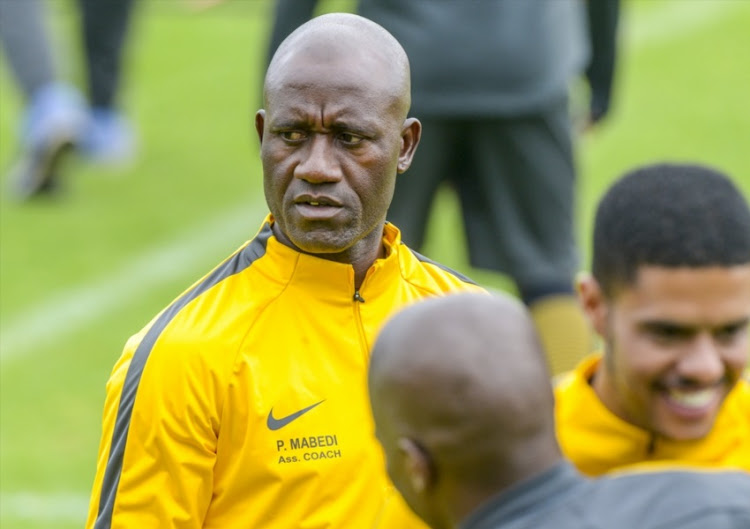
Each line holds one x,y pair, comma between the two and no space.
464,377
348,47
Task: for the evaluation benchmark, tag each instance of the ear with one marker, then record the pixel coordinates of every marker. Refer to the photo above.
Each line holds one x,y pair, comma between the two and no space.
260,121
593,302
410,135
416,464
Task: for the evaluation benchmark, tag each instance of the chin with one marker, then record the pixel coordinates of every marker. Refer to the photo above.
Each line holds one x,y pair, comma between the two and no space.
688,432
317,243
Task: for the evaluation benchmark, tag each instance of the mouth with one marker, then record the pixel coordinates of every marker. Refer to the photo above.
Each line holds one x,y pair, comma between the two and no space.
693,403
317,207
317,201
318,204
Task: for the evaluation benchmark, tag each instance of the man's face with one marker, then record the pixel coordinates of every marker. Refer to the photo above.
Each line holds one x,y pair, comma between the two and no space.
676,343
332,141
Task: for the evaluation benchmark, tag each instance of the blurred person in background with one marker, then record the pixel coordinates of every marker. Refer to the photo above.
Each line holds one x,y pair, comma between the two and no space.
56,117
109,137
243,404
463,407
490,83
669,294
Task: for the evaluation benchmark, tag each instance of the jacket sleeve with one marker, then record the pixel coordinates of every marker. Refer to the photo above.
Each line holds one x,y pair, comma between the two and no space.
158,446
603,16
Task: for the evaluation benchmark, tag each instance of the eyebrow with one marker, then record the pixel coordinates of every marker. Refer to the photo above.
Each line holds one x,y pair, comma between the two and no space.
687,329
738,324
668,326
339,126
289,119
299,122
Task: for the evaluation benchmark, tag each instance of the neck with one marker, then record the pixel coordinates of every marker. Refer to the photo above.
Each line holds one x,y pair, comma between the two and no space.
524,488
361,255
603,386
362,264
466,498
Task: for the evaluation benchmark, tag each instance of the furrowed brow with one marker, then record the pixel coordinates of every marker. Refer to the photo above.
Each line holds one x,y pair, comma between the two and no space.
668,328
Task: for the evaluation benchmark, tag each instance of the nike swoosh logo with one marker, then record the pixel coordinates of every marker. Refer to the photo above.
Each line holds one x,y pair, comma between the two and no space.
275,424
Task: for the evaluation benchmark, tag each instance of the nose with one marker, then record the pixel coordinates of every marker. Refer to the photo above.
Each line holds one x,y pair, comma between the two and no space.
319,163
702,361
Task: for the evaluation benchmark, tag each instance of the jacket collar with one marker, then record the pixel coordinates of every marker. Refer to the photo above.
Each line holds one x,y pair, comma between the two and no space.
531,496
597,441
329,280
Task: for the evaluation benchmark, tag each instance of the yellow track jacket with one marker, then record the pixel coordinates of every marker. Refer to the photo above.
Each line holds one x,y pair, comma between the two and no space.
597,441
244,404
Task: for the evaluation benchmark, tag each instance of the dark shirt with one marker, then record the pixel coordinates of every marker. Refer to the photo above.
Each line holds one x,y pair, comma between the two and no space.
561,498
488,57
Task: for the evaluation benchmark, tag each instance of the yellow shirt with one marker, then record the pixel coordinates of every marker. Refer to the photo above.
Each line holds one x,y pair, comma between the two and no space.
244,405
597,441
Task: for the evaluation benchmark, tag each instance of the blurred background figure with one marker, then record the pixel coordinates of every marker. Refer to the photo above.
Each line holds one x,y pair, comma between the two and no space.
109,137
56,117
490,84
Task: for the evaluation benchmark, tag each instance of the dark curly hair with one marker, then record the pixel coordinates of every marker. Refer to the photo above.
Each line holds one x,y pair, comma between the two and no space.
672,215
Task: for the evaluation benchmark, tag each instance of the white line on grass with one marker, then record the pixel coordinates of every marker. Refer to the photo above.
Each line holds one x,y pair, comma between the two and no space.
674,19
52,507
71,310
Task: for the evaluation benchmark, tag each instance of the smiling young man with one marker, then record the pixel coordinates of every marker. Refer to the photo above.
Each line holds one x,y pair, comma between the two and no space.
243,404
670,296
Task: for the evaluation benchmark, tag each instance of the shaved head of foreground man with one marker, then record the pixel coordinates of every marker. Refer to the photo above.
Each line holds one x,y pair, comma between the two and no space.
463,407
243,404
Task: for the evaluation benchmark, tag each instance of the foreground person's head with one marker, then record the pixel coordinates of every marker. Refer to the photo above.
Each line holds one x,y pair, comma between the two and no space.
462,401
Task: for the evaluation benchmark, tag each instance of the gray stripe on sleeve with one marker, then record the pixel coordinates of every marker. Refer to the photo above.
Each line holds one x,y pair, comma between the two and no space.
423,259
235,264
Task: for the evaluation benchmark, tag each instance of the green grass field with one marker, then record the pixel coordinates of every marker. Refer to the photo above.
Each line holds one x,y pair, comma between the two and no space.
79,274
